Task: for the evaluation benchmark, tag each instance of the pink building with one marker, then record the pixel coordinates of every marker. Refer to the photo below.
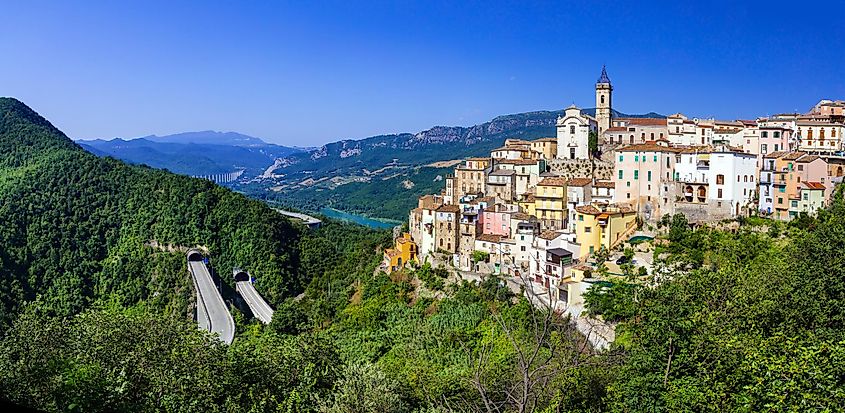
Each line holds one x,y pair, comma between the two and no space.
496,220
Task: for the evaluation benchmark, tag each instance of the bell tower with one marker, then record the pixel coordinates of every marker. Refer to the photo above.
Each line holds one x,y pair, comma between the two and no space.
604,92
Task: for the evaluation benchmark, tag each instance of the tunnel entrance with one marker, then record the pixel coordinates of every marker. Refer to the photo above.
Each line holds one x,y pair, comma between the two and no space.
241,275
195,255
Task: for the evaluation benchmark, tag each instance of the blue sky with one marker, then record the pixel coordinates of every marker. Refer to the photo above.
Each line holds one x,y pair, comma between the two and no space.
308,72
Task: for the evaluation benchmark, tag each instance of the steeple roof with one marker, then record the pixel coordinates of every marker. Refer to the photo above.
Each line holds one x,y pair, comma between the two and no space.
603,78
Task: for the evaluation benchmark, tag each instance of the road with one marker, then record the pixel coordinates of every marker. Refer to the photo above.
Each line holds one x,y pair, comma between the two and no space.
307,219
260,309
212,313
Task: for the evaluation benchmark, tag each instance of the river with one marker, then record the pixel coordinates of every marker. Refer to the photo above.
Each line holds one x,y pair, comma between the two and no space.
358,219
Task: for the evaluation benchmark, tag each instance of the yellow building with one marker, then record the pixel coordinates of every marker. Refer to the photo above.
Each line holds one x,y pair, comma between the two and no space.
547,147
603,226
550,203
405,252
526,204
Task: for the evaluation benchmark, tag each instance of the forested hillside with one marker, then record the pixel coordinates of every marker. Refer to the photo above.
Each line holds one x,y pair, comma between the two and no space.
76,228
96,310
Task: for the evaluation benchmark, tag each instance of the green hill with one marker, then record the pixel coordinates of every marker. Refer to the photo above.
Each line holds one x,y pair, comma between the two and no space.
76,228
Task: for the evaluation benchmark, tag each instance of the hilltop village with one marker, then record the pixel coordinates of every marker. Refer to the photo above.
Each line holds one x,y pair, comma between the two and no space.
541,209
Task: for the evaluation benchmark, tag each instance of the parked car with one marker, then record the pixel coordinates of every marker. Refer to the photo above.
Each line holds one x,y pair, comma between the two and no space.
624,260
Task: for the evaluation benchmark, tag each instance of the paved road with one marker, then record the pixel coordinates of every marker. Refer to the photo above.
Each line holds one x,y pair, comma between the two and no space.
260,309
212,313
307,219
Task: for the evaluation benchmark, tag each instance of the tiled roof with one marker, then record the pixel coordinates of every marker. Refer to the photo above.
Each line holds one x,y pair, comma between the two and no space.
553,181
520,215
813,185
527,197
793,155
645,121
478,159
808,158
502,172
647,147
604,184
549,235
546,140
489,238
449,208
777,154
517,161
579,182
429,202
617,129
588,209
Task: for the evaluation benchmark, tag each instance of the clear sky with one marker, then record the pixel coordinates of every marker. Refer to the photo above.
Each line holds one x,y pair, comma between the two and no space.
309,72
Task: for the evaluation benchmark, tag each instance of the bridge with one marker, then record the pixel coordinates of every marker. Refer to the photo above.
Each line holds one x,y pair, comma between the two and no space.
212,313
222,178
260,309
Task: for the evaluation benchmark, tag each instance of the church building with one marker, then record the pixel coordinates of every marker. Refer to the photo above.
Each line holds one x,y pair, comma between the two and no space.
574,127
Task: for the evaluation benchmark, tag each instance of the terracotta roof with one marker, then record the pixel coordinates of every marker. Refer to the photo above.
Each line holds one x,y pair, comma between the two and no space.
808,158
649,146
478,159
489,238
449,208
546,140
813,185
552,181
617,129
746,122
579,182
793,155
604,184
695,149
517,161
549,235
588,209
510,148
520,215
777,154
527,197
704,125
644,121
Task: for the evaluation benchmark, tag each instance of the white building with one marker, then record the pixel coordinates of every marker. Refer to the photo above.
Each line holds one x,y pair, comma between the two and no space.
573,134
720,177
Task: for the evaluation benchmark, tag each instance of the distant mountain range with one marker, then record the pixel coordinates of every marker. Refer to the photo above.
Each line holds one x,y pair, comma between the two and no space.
378,176
194,153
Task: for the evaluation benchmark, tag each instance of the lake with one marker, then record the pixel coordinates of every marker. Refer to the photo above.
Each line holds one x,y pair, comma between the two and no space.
358,219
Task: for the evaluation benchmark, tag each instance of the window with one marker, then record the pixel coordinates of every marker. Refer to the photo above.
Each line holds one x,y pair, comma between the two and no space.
821,133
649,176
580,217
776,134
522,248
800,167
763,148
620,158
591,249
737,178
652,136
655,158
764,134
620,174
806,196
588,229
794,204
628,195
809,133
776,147
720,179
719,191
571,129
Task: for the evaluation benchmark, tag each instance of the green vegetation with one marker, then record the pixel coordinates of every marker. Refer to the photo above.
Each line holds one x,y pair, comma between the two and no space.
96,309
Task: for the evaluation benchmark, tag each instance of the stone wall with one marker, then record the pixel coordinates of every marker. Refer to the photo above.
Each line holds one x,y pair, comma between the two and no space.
581,168
699,213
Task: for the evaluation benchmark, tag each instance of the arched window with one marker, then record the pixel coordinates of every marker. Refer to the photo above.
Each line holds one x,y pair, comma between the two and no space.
745,178
832,132
809,133
632,139
602,99
720,179
821,133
